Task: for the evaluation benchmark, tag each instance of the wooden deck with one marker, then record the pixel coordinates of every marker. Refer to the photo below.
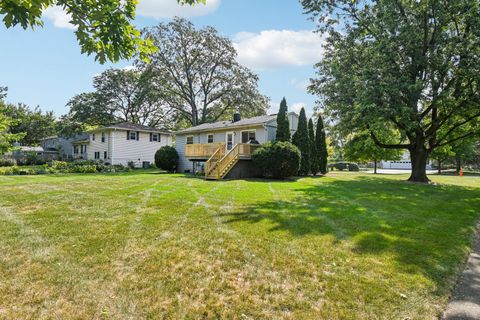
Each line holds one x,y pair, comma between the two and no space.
202,150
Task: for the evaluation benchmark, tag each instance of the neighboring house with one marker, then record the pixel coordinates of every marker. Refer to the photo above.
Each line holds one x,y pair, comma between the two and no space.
122,143
403,164
22,153
224,149
62,145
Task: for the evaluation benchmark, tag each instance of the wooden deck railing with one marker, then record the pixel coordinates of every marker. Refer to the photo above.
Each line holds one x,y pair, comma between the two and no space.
202,149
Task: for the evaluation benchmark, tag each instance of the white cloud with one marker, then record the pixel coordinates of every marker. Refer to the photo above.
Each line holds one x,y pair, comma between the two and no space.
147,8
59,17
170,8
271,49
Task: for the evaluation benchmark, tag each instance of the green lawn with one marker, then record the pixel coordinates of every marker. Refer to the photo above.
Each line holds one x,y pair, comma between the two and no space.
143,245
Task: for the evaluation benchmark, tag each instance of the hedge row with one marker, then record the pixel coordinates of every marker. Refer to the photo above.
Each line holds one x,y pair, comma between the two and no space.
81,166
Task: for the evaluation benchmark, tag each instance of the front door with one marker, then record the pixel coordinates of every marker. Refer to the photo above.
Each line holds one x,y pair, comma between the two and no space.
229,140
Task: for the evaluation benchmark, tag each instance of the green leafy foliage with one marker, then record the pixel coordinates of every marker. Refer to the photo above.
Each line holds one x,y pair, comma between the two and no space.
302,141
120,95
362,148
409,66
103,27
7,138
277,160
33,125
166,158
283,126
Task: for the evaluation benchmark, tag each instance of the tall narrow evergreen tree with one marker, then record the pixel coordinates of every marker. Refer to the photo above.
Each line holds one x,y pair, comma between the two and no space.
301,140
313,149
283,126
321,143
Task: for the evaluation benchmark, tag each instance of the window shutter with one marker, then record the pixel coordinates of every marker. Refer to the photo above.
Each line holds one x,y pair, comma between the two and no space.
151,137
128,135
159,137
138,135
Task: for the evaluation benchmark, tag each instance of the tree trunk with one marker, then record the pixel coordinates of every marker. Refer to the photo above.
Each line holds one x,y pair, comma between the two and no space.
375,166
419,158
439,167
458,163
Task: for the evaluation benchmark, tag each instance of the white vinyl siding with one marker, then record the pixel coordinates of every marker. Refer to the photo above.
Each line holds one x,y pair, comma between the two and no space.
119,150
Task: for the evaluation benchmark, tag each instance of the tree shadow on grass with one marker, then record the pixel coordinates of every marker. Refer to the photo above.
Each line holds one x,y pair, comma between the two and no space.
426,228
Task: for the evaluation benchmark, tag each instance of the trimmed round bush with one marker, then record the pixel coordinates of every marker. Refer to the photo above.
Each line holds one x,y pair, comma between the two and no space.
277,160
166,158
7,162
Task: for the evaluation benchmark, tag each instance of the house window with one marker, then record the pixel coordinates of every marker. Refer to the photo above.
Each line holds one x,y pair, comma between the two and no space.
133,135
103,136
93,137
97,155
104,154
248,136
189,139
210,138
155,137
75,149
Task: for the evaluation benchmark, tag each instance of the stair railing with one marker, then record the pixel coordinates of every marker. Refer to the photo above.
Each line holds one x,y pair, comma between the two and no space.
213,160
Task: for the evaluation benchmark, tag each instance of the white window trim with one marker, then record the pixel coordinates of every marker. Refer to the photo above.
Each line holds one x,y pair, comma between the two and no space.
248,130
226,139
130,135
213,137
186,139
156,134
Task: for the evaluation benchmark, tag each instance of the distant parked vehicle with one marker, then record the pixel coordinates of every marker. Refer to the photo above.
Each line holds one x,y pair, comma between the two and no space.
340,166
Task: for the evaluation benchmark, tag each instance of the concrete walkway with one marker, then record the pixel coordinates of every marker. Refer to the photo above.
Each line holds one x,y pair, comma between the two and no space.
465,303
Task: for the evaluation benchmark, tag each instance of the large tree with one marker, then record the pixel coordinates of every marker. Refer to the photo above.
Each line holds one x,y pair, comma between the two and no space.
283,126
321,144
32,125
198,75
103,27
301,140
412,65
120,95
6,137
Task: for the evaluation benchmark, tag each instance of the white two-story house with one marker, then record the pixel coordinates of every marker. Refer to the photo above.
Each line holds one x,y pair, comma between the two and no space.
122,143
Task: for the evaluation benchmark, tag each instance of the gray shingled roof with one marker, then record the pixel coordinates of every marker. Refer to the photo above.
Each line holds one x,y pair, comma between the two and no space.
229,124
133,126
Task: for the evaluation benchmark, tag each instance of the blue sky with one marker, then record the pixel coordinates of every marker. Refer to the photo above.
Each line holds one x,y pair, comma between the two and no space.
44,67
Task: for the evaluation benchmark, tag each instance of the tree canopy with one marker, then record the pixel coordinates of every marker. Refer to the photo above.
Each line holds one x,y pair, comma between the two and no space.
198,76
6,137
120,95
410,66
103,27
29,125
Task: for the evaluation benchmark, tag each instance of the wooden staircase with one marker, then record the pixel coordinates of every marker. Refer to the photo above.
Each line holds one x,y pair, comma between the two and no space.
220,163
